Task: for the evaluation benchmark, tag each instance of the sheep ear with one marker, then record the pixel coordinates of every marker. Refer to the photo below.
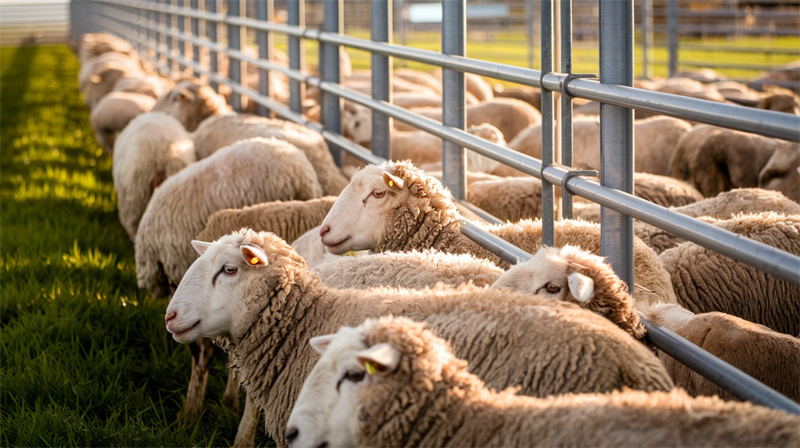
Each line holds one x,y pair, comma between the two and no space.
392,181
254,256
320,343
380,359
200,246
187,94
94,79
581,286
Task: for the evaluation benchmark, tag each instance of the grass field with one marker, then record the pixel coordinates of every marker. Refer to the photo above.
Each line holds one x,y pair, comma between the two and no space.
86,360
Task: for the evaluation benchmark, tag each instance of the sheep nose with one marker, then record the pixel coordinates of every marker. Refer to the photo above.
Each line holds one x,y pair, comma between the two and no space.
170,316
291,434
324,230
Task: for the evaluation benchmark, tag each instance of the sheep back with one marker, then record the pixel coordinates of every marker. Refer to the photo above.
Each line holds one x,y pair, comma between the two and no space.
223,130
153,147
114,112
287,219
706,281
247,172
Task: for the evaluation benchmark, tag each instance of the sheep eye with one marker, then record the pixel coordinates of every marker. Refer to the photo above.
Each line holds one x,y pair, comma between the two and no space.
552,288
230,270
354,375
379,193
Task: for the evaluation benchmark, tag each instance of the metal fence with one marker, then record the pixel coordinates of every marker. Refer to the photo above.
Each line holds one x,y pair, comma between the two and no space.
34,21
170,30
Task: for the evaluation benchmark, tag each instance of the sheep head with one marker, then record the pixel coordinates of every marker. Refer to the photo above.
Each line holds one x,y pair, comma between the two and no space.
224,290
782,171
385,370
571,274
384,206
191,102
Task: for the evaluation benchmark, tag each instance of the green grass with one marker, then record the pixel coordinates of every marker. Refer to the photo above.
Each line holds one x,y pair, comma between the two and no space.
86,360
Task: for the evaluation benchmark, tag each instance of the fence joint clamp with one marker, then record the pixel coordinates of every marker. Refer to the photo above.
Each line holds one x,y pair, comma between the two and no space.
576,173
570,77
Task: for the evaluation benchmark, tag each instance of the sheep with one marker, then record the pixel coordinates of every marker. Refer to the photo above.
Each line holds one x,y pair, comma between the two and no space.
191,102
705,281
150,85
718,160
153,147
93,66
102,80
510,115
396,207
474,84
655,139
686,149
722,206
245,173
531,95
782,172
414,269
222,130
392,382
113,113
312,250
576,276
288,219
419,77
94,44
266,303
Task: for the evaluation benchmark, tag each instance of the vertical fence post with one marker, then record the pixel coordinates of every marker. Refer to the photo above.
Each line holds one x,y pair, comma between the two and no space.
297,52
212,28
548,115
381,31
672,37
454,42
265,10
181,29
195,27
647,36
616,134
234,43
331,72
566,101
169,21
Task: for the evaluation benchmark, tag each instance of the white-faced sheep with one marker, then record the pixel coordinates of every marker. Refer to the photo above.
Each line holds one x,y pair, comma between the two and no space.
706,281
113,113
95,65
391,382
266,304
396,207
573,275
191,102
782,172
220,131
105,76
245,173
153,147
655,140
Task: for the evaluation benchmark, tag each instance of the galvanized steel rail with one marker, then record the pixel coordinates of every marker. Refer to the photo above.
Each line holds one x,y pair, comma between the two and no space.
138,26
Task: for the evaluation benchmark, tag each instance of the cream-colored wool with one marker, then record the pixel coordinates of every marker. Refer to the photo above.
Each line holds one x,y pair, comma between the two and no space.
415,269
782,172
191,102
405,209
268,303
150,85
113,113
656,138
705,281
402,380
153,147
287,219
248,172
220,131
94,44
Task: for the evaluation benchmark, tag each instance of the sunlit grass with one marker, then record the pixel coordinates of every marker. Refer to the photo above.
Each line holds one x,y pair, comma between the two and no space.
86,360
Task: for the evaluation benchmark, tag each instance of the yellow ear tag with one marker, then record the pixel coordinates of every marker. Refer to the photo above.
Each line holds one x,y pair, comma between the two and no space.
391,183
254,260
370,368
